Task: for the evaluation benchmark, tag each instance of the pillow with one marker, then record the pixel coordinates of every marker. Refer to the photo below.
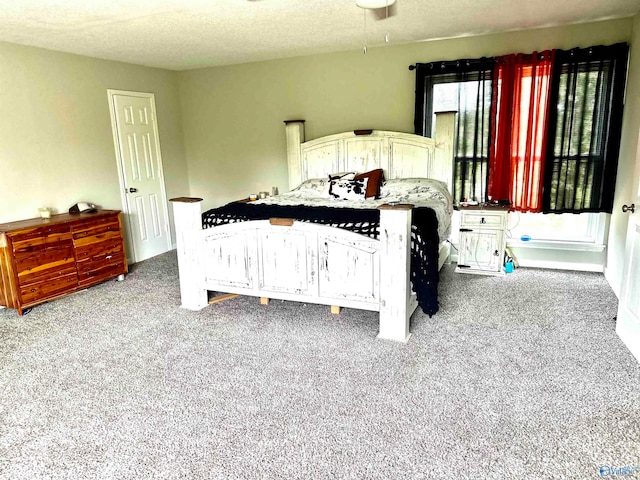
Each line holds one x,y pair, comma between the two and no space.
376,177
349,189
401,186
319,186
342,176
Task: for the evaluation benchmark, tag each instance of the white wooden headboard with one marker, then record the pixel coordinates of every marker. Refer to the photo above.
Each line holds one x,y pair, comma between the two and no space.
400,155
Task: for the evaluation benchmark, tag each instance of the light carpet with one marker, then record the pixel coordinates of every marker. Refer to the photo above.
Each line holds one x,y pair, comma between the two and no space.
517,377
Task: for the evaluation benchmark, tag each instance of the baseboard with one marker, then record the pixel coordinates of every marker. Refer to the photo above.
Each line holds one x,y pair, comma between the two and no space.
555,265
630,339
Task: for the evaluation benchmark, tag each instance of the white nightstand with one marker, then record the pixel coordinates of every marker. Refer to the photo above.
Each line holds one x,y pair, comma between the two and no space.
482,240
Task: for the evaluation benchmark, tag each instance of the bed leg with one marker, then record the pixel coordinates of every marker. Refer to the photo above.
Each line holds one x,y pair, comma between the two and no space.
395,286
188,221
335,310
264,301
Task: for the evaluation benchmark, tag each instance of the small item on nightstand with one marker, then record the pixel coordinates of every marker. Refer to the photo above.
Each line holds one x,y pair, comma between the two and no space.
253,197
45,212
263,195
274,191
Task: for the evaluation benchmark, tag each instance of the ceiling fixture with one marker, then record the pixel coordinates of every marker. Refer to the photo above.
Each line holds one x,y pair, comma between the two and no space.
381,10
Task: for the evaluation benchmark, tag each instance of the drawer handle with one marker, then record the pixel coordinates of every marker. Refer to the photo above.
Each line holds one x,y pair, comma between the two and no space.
33,289
482,220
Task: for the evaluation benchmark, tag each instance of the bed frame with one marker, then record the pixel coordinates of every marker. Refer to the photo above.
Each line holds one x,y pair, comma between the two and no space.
312,263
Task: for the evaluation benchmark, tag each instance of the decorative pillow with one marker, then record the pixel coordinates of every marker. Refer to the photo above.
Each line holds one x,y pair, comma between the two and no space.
349,189
342,176
376,177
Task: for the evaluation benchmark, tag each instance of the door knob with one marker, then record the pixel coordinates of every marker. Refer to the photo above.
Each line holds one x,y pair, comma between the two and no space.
133,190
629,208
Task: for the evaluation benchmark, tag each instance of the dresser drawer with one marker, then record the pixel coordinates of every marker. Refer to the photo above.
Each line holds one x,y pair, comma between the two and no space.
45,261
94,255
39,234
38,291
30,242
42,254
49,271
97,228
482,219
90,272
94,242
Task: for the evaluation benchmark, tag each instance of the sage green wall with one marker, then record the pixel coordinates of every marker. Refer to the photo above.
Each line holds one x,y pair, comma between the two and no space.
55,134
234,135
56,143
625,181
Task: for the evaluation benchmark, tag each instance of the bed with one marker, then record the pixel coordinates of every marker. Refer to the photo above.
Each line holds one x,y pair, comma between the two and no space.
356,254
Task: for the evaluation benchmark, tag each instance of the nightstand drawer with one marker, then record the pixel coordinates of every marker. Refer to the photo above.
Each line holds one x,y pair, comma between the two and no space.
482,219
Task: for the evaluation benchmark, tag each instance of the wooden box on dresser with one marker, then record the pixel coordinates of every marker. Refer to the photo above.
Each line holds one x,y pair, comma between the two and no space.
482,241
41,259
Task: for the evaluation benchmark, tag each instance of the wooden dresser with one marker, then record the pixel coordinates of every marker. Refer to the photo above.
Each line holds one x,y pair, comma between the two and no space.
41,259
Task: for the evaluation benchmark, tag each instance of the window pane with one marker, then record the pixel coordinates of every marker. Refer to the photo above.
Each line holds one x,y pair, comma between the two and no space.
558,227
445,97
580,104
472,100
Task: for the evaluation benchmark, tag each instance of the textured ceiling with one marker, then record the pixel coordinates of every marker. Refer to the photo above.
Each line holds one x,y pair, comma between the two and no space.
187,34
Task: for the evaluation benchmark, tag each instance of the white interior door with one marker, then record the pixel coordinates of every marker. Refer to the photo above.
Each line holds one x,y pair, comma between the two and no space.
144,199
628,323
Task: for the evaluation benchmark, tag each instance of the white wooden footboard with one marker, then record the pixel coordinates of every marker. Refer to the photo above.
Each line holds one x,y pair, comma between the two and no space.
303,262
290,260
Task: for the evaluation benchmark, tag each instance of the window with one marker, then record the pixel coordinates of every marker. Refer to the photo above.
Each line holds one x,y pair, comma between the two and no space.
582,228
585,126
465,87
571,147
472,150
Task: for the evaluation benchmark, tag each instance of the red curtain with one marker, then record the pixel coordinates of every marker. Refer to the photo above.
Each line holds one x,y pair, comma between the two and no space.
519,113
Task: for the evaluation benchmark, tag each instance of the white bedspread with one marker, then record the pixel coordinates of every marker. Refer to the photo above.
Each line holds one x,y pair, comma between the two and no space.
421,192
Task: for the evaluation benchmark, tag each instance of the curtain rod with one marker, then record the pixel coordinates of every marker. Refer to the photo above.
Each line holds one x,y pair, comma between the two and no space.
452,62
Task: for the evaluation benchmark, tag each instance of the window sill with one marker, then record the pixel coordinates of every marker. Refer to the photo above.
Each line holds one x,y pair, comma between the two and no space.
557,245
